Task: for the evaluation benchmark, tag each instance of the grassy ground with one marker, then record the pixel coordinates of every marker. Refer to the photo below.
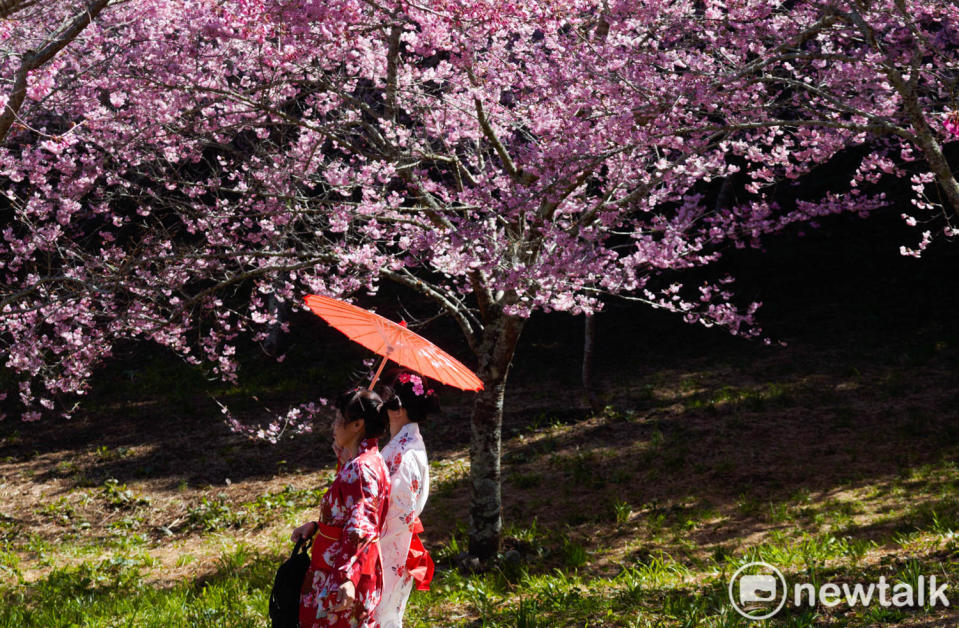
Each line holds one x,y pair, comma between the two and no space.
836,459
635,516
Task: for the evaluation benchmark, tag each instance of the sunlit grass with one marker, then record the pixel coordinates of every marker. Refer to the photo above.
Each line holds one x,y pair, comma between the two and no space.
587,539
113,592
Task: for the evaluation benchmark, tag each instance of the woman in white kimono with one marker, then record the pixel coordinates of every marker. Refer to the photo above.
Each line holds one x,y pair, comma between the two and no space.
408,399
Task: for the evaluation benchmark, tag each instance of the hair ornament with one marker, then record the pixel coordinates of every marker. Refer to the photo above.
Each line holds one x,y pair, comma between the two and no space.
417,384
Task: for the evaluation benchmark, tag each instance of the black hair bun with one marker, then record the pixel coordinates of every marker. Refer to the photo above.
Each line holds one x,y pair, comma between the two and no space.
360,404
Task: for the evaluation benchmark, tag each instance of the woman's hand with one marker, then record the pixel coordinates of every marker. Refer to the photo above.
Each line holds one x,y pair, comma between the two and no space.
346,597
305,531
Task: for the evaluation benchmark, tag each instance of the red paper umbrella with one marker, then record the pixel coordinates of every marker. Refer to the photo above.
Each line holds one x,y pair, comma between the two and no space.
394,342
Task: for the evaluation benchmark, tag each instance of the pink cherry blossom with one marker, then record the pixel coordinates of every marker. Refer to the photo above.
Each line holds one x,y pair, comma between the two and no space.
951,123
181,172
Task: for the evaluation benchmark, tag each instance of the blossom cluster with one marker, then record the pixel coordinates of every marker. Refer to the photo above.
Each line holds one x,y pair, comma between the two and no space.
181,171
296,421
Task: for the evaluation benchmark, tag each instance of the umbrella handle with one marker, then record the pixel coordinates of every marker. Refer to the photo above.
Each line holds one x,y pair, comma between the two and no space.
378,371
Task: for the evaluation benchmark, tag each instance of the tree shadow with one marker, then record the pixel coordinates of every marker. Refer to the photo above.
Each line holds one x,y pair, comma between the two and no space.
734,446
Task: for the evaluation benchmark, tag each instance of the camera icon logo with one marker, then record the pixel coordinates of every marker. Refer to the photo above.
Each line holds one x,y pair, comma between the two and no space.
762,590
757,589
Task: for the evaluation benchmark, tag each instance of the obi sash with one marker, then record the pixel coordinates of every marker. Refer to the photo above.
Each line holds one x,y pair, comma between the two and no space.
419,564
326,536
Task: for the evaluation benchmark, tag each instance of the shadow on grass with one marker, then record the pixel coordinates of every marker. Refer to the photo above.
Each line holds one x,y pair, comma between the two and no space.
722,460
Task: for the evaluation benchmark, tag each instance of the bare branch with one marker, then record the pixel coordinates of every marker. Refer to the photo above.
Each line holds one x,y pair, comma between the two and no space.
457,310
878,129
9,300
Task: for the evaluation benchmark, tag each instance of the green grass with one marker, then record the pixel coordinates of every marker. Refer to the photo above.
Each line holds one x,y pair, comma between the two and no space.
553,584
113,593
633,517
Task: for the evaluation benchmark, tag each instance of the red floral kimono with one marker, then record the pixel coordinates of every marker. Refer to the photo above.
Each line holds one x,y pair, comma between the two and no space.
346,544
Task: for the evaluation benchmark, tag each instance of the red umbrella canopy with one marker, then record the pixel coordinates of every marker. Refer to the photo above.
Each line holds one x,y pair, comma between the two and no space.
393,341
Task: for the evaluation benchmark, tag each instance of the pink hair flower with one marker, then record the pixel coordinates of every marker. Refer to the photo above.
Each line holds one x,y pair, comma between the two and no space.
415,380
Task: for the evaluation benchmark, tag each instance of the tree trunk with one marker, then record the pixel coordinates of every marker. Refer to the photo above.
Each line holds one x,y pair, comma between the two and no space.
589,337
274,343
926,139
500,338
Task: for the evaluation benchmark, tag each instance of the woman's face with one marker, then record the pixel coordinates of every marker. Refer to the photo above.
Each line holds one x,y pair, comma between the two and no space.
345,432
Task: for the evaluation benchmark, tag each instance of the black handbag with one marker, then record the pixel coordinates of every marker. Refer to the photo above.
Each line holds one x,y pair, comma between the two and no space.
285,596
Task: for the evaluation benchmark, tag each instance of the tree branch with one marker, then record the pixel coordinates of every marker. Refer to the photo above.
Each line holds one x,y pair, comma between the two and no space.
392,61
9,7
34,59
250,274
516,174
458,312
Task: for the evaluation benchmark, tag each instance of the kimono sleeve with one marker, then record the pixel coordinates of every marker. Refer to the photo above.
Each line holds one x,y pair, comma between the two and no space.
363,498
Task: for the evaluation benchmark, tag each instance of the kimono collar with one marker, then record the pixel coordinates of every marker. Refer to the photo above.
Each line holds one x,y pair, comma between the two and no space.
413,428
369,444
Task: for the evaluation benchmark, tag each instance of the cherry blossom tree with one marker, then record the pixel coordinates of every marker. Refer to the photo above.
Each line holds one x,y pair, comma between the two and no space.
886,70
180,167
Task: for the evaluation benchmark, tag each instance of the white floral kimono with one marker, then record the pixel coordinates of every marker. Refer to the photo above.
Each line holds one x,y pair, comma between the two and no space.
405,457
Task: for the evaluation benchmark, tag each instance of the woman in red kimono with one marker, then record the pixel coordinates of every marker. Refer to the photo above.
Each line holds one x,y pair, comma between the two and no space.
345,580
